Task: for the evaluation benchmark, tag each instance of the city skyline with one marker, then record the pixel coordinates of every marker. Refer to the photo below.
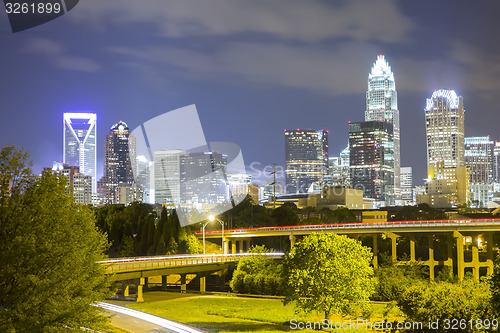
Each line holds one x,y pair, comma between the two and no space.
251,80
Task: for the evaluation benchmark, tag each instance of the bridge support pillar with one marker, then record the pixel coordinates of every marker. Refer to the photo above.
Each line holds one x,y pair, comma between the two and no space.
126,291
233,246
164,279
203,284
225,246
460,254
489,252
475,257
139,290
375,251
412,249
183,283
431,257
394,238
292,240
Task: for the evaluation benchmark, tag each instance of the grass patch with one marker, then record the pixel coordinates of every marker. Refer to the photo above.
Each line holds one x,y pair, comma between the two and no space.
236,314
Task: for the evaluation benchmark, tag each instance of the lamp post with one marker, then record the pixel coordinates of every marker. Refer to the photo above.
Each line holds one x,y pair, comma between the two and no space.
204,225
212,218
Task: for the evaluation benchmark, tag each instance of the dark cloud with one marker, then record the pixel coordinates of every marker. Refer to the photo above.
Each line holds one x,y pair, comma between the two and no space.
308,21
59,57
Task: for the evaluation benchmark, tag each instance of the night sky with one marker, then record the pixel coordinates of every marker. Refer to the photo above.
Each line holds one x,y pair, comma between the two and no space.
253,68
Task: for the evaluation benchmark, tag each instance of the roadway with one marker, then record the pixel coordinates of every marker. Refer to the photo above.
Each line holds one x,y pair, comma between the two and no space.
140,322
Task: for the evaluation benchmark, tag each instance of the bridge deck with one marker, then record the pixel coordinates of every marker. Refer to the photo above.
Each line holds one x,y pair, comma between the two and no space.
363,228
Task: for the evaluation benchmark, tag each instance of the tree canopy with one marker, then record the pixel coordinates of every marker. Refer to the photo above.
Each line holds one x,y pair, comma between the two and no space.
257,274
49,253
328,273
419,212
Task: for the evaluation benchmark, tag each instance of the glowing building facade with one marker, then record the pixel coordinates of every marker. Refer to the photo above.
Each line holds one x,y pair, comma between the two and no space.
448,183
119,161
407,186
339,173
203,178
479,158
496,172
167,176
306,159
79,185
382,105
79,140
371,159
444,123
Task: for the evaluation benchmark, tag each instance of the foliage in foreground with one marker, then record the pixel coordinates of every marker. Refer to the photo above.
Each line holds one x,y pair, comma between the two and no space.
258,274
445,301
49,248
393,280
328,273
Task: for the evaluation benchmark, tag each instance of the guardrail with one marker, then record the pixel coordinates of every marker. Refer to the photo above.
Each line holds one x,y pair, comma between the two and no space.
158,262
366,225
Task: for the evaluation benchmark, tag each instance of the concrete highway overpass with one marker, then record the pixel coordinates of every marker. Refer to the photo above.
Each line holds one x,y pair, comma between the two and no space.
460,236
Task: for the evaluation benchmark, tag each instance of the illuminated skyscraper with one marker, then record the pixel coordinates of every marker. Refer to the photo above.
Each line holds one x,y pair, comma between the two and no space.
372,160
306,159
203,178
167,176
496,172
448,183
444,123
479,160
382,105
79,140
119,161
407,186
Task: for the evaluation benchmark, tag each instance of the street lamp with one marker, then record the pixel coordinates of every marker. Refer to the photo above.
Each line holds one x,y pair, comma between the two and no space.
212,218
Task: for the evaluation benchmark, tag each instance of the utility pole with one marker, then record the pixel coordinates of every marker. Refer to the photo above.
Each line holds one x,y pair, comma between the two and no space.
274,185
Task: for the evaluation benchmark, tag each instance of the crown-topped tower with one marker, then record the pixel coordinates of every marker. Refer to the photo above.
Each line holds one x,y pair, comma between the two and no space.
382,105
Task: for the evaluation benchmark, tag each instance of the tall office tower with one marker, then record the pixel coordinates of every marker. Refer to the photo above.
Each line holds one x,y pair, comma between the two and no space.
79,185
167,176
79,140
496,172
119,161
339,173
444,122
407,186
446,187
372,160
203,178
306,159
496,162
382,105
144,177
479,159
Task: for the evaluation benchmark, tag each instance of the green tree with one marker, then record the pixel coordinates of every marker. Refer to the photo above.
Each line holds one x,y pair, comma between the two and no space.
494,282
257,274
393,280
286,215
328,273
343,215
420,212
50,248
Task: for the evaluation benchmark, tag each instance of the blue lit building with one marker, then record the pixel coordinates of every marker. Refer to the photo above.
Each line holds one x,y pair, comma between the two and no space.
79,143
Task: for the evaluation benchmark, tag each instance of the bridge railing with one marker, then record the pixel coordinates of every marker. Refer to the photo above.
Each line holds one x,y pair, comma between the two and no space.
363,225
158,262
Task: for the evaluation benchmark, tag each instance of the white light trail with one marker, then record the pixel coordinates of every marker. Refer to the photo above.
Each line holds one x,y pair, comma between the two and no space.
172,325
